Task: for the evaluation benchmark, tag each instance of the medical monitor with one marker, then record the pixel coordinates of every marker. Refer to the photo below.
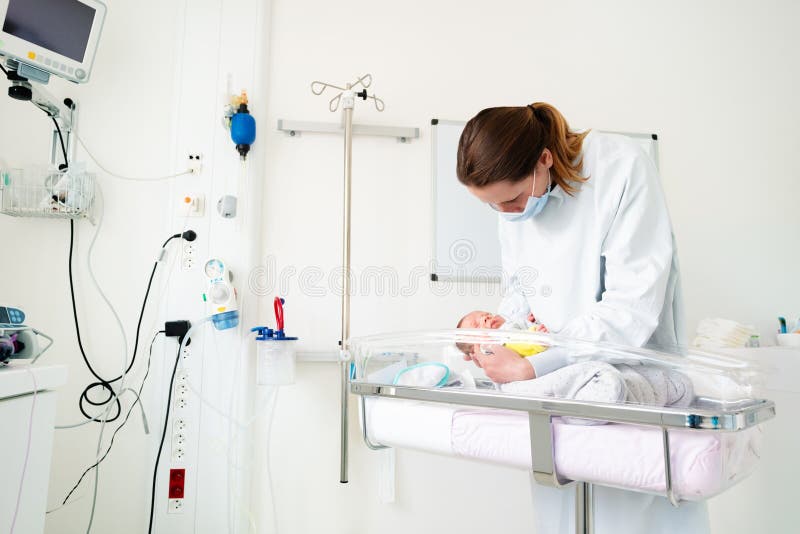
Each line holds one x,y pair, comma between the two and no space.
56,36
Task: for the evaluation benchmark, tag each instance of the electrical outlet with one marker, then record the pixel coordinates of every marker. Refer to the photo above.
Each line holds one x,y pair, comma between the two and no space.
175,506
179,440
177,483
179,424
181,390
190,205
188,256
182,377
195,162
181,402
178,455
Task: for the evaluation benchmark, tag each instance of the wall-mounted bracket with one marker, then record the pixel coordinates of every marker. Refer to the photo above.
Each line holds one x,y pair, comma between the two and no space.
294,128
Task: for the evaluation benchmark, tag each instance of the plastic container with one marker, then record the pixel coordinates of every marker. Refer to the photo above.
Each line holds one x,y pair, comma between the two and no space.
382,359
225,320
276,357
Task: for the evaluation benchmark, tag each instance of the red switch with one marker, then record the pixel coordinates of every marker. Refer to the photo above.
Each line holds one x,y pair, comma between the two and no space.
177,477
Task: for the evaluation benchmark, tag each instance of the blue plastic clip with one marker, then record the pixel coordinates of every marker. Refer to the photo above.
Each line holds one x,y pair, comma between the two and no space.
264,333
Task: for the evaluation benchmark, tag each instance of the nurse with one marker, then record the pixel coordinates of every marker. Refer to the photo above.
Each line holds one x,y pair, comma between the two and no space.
588,248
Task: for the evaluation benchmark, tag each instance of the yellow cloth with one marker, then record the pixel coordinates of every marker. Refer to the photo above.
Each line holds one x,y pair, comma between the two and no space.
527,349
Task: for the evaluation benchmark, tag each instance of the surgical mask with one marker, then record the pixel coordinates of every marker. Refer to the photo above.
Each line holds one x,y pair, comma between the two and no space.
534,206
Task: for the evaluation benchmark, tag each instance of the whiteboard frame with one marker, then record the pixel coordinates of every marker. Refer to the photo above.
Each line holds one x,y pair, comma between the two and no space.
435,277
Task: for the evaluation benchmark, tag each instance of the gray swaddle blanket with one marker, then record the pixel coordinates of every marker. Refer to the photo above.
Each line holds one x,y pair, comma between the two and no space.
596,381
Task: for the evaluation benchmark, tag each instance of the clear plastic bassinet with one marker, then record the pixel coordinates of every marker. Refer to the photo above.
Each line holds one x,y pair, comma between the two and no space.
685,426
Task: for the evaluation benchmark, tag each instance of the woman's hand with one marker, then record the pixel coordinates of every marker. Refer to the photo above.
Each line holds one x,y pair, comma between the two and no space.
504,365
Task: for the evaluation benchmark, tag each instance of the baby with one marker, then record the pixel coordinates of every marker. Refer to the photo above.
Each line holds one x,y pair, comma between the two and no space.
482,319
595,381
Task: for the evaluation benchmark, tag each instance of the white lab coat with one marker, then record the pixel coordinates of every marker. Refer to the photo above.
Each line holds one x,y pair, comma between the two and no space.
602,265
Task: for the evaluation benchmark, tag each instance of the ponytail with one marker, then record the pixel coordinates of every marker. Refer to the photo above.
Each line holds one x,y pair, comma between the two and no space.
565,145
505,143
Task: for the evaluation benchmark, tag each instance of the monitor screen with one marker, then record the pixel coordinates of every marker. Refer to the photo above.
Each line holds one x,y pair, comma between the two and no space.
61,26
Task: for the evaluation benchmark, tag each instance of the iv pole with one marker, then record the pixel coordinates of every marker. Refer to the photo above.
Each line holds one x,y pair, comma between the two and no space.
346,98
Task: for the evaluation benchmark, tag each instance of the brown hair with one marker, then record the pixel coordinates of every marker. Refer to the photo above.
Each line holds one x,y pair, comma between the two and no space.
505,143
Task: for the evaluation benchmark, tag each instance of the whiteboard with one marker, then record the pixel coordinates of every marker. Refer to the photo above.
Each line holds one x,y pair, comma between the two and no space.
465,242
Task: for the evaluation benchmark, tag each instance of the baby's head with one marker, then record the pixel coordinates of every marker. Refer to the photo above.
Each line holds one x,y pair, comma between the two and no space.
480,319
477,319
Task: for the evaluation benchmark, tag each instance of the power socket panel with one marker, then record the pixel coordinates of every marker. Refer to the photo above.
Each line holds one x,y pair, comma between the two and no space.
175,506
189,261
195,160
178,455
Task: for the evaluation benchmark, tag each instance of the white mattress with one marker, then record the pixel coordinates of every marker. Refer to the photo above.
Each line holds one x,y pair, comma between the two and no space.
625,456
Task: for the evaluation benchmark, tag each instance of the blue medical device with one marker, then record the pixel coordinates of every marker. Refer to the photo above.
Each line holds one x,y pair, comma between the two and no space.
221,295
11,316
18,341
243,127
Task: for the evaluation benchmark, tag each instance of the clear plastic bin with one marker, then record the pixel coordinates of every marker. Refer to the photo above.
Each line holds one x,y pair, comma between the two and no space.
401,359
276,357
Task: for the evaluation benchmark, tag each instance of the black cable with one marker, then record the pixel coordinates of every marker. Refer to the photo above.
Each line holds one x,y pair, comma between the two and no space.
141,312
61,138
101,382
163,435
144,304
4,69
127,416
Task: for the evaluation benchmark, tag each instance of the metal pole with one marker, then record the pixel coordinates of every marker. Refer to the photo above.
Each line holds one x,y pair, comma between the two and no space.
584,511
348,101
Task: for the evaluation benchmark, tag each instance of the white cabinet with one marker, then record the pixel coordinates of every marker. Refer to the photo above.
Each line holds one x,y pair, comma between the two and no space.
26,443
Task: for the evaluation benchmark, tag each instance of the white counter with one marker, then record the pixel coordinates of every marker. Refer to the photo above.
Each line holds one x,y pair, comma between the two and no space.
16,380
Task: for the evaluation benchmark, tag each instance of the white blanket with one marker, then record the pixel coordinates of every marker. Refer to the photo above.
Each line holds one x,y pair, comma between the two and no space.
597,381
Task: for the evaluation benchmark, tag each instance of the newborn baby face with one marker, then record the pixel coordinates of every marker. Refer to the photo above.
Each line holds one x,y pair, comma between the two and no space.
481,319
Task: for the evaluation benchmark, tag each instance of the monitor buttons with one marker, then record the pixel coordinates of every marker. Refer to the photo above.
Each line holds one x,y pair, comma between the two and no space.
80,74
47,61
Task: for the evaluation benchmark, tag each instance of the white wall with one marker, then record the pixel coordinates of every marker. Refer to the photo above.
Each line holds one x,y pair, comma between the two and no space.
711,78
714,80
